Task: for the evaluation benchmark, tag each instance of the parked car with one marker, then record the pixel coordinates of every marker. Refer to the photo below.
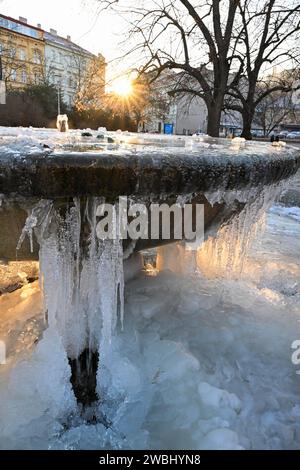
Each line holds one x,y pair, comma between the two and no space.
293,135
283,134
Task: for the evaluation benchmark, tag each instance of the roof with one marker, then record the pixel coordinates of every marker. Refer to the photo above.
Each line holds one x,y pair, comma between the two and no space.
54,39
20,22
66,43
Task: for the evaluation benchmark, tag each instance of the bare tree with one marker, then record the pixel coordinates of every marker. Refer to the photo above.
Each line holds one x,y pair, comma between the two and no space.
12,66
273,110
150,100
268,36
221,47
88,81
191,37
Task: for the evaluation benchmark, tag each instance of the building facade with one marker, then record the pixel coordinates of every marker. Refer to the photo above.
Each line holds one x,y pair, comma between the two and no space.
30,55
185,115
22,51
78,74
185,119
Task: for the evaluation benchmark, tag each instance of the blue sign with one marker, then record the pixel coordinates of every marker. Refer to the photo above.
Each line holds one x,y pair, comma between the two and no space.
168,128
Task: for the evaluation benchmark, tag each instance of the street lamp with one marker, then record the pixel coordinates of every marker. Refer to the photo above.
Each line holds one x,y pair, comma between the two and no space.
58,83
62,119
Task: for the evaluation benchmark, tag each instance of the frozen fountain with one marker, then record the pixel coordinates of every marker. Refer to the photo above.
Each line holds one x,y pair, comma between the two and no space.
49,198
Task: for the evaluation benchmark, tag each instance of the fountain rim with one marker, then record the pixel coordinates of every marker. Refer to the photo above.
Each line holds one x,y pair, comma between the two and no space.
111,173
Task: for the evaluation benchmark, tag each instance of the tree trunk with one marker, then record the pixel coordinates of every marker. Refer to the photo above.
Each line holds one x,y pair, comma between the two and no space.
249,109
214,119
248,116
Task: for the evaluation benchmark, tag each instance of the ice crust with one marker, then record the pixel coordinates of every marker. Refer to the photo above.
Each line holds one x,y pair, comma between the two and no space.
203,360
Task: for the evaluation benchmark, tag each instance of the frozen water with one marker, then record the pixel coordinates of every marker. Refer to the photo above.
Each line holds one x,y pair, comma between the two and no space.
226,253
62,123
36,393
206,365
22,141
82,276
204,357
292,212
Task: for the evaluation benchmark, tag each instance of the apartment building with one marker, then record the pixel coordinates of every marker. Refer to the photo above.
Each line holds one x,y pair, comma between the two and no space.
22,51
75,71
30,55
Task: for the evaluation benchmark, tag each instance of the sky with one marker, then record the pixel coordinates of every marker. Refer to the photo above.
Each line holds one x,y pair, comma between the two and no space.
81,19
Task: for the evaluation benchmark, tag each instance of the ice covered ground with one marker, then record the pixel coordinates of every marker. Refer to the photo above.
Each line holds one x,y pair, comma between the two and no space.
204,360
21,141
201,363
30,140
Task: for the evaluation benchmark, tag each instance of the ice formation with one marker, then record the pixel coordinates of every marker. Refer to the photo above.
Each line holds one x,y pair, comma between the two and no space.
201,363
203,360
62,123
82,280
226,253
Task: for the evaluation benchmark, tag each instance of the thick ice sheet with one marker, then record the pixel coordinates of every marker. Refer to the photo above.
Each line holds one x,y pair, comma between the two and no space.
22,141
201,363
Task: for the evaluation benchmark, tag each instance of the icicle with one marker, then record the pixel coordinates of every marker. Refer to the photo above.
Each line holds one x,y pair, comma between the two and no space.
82,279
226,254
32,221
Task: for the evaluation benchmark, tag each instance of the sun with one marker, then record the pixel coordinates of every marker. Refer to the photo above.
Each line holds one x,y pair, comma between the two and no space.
122,86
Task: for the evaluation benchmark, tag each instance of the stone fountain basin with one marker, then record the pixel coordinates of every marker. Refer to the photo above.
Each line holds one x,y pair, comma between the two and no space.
148,172
144,172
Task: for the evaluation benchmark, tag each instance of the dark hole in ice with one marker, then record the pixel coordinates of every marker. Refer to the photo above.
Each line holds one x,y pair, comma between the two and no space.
84,376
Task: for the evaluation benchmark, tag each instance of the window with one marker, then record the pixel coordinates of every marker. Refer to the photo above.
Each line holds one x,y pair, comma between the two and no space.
51,78
58,80
24,76
12,52
37,77
13,75
37,58
22,54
